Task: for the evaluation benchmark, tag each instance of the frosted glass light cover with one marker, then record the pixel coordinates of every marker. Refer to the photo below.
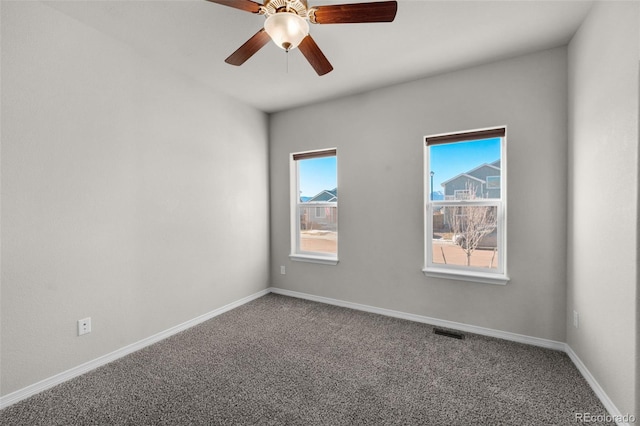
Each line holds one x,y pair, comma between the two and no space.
286,29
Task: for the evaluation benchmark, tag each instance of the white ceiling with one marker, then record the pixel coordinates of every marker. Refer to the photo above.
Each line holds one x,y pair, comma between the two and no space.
427,38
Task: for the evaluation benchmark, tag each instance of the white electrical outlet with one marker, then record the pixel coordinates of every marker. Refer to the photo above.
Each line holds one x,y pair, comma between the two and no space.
84,326
576,319
282,270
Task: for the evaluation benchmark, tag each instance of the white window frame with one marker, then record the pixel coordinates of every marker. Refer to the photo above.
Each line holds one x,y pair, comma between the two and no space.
461,272
294,173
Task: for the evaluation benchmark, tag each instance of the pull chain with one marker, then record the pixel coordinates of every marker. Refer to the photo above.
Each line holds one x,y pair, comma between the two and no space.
287,53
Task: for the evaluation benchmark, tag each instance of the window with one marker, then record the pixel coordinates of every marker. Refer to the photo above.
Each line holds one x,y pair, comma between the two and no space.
465,206
493,182
314,206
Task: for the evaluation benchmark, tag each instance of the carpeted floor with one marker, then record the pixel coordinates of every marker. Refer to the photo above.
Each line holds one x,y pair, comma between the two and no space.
279,360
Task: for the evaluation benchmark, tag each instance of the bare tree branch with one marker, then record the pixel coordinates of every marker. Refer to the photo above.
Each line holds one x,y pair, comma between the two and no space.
471,223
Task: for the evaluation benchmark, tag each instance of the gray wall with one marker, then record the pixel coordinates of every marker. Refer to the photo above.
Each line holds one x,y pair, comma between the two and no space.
379,137
603,198
130,194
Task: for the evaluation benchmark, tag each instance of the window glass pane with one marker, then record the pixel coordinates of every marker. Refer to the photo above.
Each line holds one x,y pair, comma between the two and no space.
465,170
319,229
317,206
465,236
318,179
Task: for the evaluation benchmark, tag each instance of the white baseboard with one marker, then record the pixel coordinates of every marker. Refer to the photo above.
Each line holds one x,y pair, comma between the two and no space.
514,337
597,389
42,385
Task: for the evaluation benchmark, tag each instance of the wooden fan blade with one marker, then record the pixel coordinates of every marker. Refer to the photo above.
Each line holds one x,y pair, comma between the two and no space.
314,55
246,5
248,49
384,11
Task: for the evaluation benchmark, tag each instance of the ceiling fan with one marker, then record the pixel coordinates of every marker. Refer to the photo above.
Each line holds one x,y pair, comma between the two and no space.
286,24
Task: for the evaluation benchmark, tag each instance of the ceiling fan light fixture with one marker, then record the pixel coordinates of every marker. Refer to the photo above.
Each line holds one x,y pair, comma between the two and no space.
286,29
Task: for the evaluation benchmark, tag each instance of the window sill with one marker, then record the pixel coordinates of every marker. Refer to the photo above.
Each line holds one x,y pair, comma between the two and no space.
478,277
314,259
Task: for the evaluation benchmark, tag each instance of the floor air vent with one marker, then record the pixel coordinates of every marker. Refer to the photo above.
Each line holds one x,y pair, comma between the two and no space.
448,333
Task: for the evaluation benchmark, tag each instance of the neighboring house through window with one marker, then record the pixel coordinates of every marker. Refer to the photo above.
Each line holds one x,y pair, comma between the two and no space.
314,206
465,221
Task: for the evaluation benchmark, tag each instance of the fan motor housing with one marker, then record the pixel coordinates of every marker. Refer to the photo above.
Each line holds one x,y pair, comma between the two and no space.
299,7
